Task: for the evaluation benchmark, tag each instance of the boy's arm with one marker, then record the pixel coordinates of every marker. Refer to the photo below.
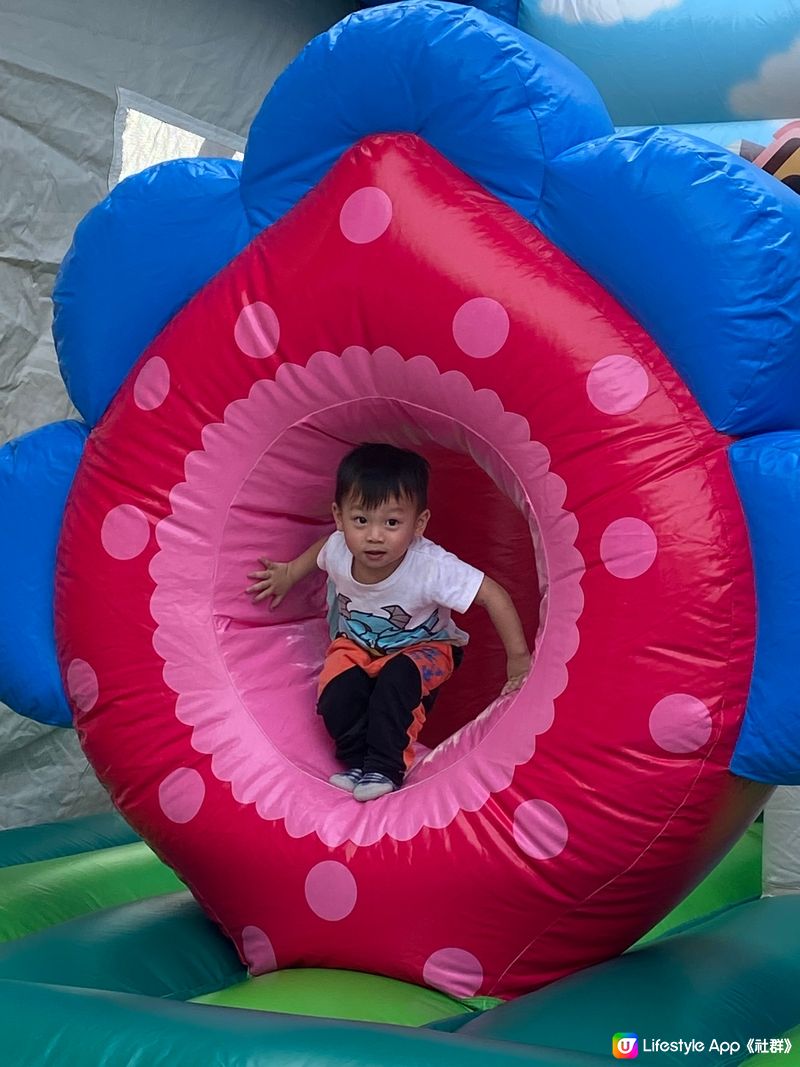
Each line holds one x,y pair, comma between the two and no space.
305,563
278,578
506,621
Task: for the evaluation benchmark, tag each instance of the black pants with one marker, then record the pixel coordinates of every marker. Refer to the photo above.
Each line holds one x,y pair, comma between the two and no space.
370,718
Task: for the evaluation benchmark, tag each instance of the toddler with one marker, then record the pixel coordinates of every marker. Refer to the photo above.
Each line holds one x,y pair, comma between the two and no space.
396,642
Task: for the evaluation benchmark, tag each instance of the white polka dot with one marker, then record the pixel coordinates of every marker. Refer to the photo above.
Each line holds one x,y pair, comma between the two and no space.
480,327
365,215
152,384
454,971
628,547
258,951
540,830
125,532
680,723
617,384
181,794
82,685
257,330
331,890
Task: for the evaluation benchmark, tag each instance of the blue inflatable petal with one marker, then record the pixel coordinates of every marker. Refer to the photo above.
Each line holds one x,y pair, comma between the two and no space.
703,249
135,260
767,473
36,473
492,100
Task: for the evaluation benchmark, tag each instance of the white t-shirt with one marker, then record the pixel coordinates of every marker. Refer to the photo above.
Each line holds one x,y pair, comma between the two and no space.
409,607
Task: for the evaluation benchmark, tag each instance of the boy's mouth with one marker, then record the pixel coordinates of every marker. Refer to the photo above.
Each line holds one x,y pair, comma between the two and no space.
374,553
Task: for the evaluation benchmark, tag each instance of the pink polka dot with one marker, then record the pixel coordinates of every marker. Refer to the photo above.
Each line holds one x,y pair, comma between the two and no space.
480,327
258,951
181,794
152,384
617,384
331,890
257,330
540,830
125,532
454,971
82,685
628,548
366,214
680,723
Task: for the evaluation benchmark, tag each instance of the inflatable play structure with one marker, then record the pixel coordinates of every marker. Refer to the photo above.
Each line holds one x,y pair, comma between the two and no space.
436,239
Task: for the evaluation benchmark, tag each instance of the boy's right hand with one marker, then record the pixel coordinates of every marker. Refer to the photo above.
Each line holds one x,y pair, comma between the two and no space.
275,581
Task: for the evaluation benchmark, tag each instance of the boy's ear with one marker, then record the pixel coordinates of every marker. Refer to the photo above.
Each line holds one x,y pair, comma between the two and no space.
422,522
336,511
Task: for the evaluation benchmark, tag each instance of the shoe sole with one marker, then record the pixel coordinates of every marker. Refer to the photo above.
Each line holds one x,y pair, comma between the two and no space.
362,797
346,785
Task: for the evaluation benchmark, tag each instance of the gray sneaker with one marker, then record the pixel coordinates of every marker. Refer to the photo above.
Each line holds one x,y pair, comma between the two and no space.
373,785
347,780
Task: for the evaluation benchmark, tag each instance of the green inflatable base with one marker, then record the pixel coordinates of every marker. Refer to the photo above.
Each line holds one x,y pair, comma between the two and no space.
108,961
339,995
37,895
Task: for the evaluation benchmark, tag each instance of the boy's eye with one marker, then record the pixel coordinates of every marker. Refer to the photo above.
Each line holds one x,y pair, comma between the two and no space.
392,523
360,520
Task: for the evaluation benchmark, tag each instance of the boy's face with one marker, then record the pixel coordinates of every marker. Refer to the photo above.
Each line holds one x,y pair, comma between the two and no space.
379,537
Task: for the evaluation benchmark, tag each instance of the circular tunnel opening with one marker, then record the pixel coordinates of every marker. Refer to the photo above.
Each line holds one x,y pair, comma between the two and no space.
284,505
246,676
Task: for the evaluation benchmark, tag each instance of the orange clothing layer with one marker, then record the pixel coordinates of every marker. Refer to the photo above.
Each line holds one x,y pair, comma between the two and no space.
433,659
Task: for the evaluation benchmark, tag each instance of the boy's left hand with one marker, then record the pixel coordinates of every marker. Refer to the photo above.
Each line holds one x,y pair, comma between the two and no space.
517,668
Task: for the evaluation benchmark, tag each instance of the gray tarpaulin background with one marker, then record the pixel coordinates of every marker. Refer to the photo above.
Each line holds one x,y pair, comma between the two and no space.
91,90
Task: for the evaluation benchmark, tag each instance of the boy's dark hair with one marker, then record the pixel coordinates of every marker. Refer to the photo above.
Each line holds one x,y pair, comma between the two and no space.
375,473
